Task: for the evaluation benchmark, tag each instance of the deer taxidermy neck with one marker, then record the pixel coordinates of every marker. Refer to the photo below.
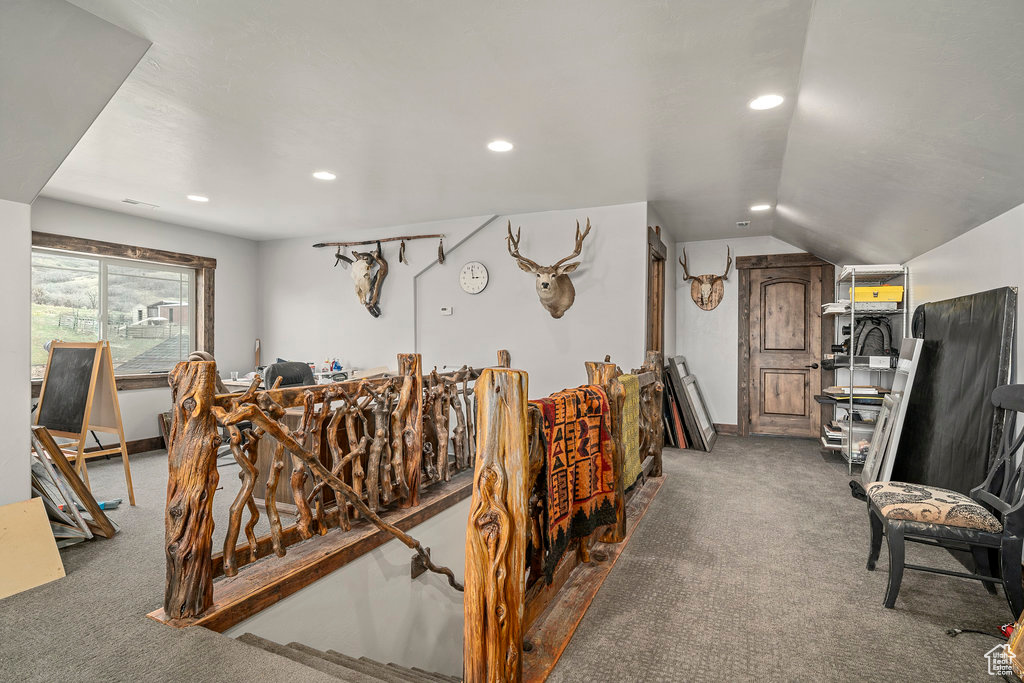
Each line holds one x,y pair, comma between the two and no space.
707,290
554,288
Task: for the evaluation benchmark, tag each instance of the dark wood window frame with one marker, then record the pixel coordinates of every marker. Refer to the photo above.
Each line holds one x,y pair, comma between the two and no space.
203,266
744,264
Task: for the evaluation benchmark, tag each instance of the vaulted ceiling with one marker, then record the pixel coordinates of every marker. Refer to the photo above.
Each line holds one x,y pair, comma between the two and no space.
899,129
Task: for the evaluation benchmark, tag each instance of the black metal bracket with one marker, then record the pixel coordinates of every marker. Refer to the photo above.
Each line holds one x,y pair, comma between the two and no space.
418,567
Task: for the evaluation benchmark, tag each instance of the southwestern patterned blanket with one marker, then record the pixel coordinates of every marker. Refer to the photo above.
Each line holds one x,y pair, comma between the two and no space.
578,468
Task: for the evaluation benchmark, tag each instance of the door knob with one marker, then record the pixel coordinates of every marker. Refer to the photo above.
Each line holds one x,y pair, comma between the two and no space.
812,366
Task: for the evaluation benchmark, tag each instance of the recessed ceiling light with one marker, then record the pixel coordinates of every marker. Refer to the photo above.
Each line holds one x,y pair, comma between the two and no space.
500,146
766,102
198,198
324,175
760,207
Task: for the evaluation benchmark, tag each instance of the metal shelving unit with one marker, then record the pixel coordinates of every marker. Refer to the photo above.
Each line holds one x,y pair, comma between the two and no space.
849,278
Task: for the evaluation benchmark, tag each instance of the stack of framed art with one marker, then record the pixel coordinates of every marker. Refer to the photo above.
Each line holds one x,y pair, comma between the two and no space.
687,420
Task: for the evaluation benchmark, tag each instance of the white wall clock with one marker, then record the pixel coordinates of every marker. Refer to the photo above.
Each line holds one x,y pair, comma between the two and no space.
473,277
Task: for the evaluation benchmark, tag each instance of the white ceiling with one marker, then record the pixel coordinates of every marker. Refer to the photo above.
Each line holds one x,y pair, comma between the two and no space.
899,126
58,68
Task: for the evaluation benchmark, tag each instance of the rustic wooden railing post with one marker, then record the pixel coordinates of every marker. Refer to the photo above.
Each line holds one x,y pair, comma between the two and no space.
504,358
497,530
412,364
654,362
192,479
605,376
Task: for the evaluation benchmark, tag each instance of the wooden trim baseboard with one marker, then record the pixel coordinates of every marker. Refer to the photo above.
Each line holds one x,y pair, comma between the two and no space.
727,429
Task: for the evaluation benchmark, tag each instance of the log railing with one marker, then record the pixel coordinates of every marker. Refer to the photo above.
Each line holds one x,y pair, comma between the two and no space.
503,588
356,449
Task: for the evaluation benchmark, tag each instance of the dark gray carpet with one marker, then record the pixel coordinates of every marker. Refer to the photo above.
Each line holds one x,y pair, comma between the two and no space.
92,625
750,565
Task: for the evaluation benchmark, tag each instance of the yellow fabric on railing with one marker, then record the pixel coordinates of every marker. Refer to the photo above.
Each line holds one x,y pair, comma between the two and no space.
631,429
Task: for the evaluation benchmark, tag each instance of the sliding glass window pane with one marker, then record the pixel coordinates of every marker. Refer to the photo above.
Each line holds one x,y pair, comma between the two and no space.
65,302
149,317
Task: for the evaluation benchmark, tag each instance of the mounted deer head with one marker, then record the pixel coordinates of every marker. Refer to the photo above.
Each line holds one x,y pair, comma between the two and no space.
553,284
707,290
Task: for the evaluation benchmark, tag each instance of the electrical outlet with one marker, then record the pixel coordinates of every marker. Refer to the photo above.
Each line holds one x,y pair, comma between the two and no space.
446,310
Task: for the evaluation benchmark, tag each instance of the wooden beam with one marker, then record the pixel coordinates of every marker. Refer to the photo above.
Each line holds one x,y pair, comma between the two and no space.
605,375
191,481
778,261
97,248
412,364
497,530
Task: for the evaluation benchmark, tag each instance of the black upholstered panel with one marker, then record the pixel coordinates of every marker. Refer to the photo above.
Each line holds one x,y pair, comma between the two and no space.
952,430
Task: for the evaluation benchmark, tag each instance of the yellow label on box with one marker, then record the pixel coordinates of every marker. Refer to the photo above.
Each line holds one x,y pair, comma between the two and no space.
882,293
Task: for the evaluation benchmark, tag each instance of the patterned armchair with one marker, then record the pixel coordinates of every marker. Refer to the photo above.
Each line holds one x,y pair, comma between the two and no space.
989,523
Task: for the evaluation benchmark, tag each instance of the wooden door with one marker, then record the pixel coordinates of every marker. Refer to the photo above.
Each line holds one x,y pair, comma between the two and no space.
656,254
785,350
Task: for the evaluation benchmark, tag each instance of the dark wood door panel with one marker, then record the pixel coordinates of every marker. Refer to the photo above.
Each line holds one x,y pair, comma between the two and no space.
785,392
781,331
785,346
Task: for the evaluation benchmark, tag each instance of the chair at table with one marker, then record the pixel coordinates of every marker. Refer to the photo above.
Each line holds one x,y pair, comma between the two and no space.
989,523
292,374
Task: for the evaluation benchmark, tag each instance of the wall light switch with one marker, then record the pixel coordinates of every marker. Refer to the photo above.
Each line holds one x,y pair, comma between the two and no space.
446,310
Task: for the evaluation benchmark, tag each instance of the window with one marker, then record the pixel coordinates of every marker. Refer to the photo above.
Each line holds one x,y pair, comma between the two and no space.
142,309
153,306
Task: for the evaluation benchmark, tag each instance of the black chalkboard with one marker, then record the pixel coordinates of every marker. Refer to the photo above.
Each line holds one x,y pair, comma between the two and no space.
66,389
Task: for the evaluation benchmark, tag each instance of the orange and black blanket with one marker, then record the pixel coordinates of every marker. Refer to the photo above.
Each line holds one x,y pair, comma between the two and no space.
578,468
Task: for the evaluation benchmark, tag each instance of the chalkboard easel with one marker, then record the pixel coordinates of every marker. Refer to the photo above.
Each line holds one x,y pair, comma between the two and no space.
78,395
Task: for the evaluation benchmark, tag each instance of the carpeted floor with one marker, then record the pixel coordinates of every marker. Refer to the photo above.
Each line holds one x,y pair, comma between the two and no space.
750,565
92,625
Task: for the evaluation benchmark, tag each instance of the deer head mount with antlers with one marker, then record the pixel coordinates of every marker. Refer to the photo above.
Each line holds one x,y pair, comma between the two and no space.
707,290
553,284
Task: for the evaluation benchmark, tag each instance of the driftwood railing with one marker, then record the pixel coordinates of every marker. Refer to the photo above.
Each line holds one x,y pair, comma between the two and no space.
504,593
358,447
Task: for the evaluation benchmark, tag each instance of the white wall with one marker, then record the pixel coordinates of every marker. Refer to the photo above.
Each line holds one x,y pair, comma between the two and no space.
308,307
987,257
309,310
235,307
607,317
709,339
15,418
375,610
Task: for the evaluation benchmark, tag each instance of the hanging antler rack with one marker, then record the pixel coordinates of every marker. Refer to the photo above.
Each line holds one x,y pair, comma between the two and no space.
406,238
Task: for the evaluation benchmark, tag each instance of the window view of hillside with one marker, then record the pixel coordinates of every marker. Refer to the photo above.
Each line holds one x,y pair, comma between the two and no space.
142,310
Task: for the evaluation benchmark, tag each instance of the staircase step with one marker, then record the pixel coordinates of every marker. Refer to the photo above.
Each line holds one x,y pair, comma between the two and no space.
406,674
367,666
355,674
438,676
420,674
310,660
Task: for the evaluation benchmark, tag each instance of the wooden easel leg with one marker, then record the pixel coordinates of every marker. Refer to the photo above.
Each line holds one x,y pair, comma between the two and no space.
127,470
80,464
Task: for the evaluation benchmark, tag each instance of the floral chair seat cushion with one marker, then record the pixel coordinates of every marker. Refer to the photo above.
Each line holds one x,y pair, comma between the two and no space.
932,505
